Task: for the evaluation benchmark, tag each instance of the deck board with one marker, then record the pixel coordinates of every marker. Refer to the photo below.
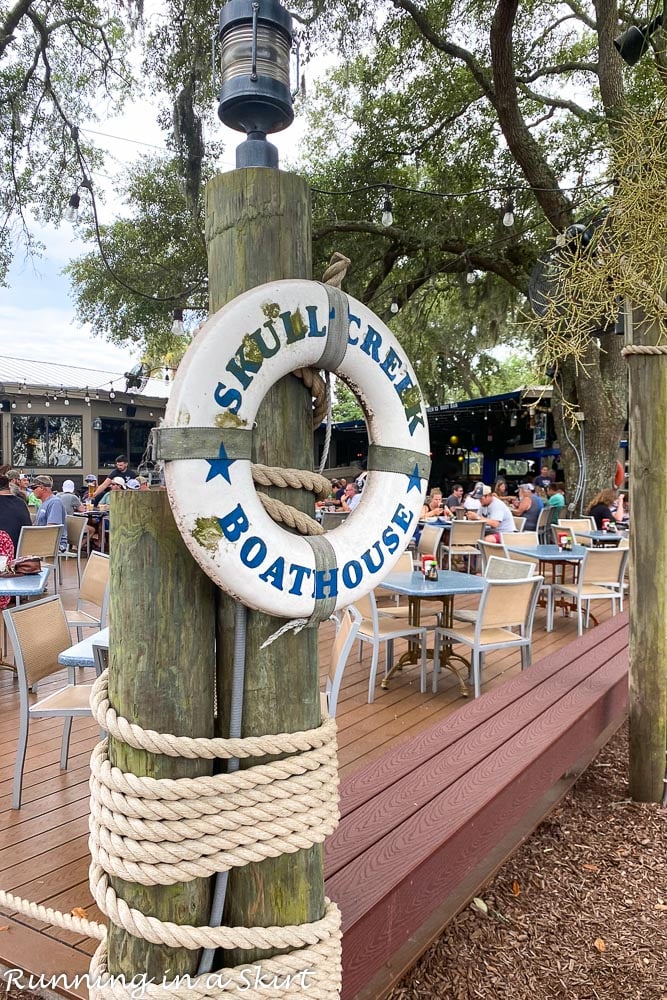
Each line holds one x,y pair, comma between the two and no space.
43,846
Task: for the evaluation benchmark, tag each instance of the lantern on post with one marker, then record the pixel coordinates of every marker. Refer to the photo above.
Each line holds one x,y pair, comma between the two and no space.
255,43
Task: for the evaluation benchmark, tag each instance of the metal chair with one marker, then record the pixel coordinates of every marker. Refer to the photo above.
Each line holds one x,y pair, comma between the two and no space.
75,528
504,606
519,522
43,541
488,549
376,630
38,633
429,543
330,521
544,519
346,633
600,579
523,539
463,538
93,594
497,568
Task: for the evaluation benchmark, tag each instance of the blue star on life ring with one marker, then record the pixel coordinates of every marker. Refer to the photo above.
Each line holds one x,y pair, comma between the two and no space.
205,442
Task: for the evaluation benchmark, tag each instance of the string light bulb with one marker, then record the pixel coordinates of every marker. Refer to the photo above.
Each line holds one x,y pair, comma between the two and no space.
47,402
394,307
470,275
387,210
29,403
508,216
112,392
72,211
177,327
86,397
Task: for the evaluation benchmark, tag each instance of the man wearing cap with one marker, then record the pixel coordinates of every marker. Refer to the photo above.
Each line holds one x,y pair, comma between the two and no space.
496,514
115,485
144,485
529,506
15,485
69,499
14,513
51,510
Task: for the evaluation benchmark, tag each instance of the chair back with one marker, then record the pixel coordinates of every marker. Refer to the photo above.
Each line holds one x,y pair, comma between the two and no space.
525,558
95,584
524,539
578,523
519,522
543,521
429,540
489,549
38,632
601,566
558,530
43,541
344,640
498,568
404,563
75,527
508,603
466,532
367,608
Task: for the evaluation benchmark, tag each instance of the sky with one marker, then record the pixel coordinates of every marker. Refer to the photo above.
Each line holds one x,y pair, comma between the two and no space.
37,316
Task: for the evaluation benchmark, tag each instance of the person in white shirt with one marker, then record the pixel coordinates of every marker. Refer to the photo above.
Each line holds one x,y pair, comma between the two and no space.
496,514
350,498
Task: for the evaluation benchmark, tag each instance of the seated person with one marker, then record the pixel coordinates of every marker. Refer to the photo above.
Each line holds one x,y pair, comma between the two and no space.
350,498
555,501
529,506
500,489
69,499
434,506
455,498
494,512
607,505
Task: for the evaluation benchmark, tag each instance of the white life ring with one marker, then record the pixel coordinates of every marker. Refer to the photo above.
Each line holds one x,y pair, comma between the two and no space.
240,352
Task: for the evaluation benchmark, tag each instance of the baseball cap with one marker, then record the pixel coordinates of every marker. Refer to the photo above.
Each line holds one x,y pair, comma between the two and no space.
119,481
481,491
141,480
90,479
132,484
42,481
526,486
68,486
13,474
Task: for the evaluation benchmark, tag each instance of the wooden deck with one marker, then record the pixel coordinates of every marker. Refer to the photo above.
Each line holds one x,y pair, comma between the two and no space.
43,847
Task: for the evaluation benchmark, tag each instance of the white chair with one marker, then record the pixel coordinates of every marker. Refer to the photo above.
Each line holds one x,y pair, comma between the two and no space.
577,524
463,538
404,564
43,541
92,604
376,630
519,522
543,522
429,543
497,568
489,549
522,540
38,633
505,605
346,633
331,521
75,528
600,578
527,559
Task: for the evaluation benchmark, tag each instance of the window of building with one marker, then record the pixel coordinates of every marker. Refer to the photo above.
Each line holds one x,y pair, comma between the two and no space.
47,441
123,437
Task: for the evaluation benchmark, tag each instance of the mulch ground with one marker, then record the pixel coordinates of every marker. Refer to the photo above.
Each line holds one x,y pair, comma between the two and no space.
578,913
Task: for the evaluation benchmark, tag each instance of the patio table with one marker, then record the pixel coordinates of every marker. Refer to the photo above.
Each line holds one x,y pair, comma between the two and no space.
417,588
552,562
82,654
603,537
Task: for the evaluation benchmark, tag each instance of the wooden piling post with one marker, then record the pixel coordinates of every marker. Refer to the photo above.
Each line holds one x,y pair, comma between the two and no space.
161,675
647,436
258,230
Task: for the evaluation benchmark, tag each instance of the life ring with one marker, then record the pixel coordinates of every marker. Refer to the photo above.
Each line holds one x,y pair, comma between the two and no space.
205,442
619,475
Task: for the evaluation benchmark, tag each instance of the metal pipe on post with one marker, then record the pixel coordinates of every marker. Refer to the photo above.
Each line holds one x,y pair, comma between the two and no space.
161,676
258,230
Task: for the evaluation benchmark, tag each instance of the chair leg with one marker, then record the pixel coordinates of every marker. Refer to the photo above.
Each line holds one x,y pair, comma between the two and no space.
422,669
20,757
388,656
476,672
526,658
580,620
436,663
374,667
64,746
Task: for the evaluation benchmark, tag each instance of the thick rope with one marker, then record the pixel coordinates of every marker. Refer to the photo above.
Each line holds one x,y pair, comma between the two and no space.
268,475
644,349
293,518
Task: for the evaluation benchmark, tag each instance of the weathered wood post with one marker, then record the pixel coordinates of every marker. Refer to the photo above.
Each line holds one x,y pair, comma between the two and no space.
161,676
648,561
258,230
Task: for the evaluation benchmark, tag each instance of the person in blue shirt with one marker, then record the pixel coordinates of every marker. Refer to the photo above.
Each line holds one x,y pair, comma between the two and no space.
51,510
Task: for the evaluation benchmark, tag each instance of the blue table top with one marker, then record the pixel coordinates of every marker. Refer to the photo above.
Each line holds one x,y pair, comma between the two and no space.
551,553
448,583
613,537
23,586
81,653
